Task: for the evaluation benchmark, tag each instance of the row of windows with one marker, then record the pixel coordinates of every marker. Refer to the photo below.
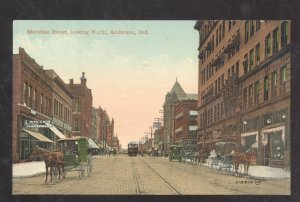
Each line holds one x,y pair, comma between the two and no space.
61,111
212,114
216,39
251,93
36,100
251,59
250,96
249,28
265,120
271,40
221,81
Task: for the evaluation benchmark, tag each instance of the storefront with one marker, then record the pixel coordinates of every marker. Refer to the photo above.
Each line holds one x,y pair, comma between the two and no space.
273,142
250,140
29,139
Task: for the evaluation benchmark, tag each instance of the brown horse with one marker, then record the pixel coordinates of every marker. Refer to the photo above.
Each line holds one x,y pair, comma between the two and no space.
243,158
52,159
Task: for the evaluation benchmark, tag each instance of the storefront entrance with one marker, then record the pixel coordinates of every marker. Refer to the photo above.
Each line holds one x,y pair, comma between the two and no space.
274,150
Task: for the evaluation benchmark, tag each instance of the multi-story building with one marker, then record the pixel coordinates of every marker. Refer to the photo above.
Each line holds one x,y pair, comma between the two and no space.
106,129
186,124
62,106
82,108
244,86
172,99
95,125
115,144
33,96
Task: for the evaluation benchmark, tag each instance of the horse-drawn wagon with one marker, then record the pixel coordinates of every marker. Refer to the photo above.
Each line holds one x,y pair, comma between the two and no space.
222,155
77,155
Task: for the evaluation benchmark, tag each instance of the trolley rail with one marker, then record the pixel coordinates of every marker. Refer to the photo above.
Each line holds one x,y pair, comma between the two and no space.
138,189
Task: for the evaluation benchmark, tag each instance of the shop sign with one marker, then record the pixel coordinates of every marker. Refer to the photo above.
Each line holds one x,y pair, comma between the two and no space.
36,124
57,122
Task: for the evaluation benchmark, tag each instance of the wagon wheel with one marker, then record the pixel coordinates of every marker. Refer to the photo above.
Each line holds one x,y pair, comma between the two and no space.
81,171
64,173
89,166
55,173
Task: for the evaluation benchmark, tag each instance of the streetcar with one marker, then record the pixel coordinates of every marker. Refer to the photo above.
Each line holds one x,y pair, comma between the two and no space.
175,152
133,148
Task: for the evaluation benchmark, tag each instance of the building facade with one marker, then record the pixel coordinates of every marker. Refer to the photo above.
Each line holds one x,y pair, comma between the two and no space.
62,106
186,124
82,108
171,100
244,87
32,106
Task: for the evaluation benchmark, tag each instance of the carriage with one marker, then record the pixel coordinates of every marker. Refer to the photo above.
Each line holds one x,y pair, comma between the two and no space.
222,155
77,155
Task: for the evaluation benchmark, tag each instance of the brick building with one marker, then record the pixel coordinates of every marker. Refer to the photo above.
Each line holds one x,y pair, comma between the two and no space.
82,108
244,86
62,106
172,99
106,130
186,124
33,95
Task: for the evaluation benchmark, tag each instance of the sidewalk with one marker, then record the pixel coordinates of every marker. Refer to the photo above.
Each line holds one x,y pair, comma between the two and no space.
29,169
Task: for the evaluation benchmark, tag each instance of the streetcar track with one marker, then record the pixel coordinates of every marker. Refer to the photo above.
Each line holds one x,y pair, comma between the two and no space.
168,183
137,187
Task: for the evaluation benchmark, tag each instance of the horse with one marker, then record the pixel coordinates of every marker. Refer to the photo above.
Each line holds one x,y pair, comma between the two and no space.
243,158
52,159
200,157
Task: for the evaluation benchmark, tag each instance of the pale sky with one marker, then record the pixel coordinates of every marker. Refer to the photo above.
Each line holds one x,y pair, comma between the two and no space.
129,74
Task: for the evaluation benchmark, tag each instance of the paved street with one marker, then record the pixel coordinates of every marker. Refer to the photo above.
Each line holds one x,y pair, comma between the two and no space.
149,176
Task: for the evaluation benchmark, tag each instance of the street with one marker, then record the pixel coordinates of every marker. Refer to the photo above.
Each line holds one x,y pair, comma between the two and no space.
123,175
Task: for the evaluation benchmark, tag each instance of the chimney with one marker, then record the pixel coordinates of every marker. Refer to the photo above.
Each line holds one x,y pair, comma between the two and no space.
71,81
83,79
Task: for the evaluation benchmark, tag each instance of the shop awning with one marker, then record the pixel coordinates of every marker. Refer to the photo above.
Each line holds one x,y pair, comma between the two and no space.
55,131
92,144
38,136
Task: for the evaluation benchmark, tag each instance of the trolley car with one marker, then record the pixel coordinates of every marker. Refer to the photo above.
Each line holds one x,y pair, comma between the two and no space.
133,149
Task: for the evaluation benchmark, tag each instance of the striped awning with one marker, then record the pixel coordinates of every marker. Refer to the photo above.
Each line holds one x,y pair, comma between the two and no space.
38,136
55,131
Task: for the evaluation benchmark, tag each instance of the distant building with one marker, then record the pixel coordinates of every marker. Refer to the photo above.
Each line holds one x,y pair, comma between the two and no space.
186,124
158,138
82,108
172,99
95,125
106,130
244,86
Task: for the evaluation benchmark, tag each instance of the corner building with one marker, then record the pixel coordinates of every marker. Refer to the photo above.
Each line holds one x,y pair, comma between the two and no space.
244,87
37,120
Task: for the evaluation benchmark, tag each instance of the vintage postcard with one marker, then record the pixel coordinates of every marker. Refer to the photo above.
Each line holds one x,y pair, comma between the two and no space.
110,107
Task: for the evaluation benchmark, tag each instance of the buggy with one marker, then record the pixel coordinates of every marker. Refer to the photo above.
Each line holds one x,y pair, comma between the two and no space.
222,155
77,155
